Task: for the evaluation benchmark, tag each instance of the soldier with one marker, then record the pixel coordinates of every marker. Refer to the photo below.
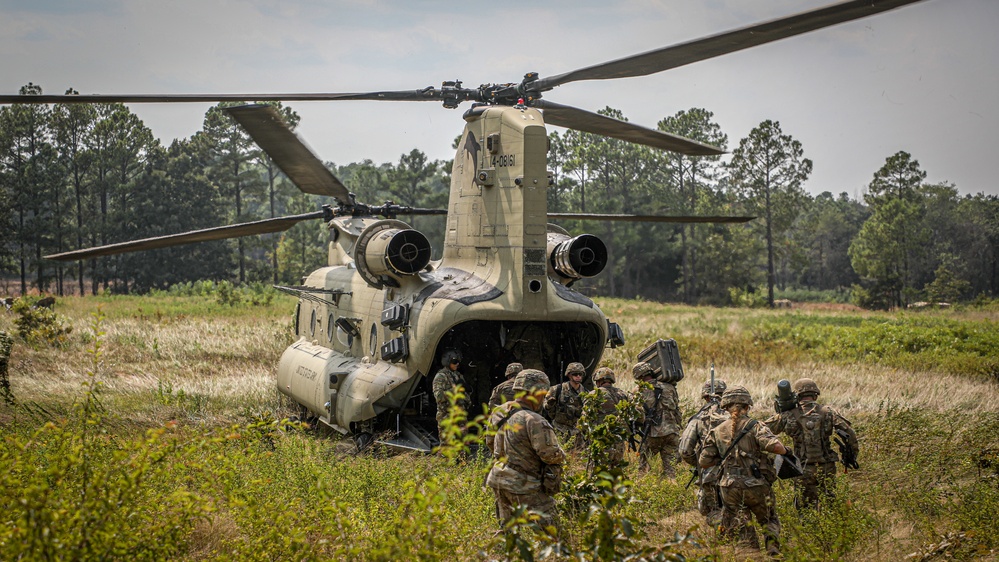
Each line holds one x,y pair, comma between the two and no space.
812,426
692,442
610,395
739,446
446,379
564,404
528,459
503,392
662,421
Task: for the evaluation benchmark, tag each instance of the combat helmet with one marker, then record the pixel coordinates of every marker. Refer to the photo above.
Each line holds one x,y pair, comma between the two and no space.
572,368
604,374
736,395
531,380
512,369
642,370
719,388
806,386
451,356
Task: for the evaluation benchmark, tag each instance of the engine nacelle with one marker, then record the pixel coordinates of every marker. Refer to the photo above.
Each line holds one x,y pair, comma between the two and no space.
576,258
389,250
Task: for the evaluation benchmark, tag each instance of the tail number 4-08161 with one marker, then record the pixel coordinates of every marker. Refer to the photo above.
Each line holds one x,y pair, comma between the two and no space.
503,160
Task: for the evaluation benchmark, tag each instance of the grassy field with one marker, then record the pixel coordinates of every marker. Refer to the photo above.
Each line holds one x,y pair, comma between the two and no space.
156,433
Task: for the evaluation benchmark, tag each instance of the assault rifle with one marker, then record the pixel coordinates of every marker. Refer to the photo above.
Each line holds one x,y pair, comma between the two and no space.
846,451
651,419
694,473
636,439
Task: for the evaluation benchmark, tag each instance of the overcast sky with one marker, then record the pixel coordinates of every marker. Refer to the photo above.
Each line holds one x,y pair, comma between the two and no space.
924,78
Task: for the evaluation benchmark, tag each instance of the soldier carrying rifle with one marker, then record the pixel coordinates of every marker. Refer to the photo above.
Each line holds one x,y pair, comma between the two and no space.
692,442
661,431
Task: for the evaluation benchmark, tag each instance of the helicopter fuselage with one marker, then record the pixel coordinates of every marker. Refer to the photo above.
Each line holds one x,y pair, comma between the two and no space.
372,335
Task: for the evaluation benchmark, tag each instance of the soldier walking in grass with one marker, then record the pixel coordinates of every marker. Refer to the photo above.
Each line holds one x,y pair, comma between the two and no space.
739,446
662,421
527,466
503,392
564,404
813,426
692,441
447,379
609,396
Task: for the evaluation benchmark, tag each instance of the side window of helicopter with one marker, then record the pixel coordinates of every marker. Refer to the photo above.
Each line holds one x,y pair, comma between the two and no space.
373,344
343,334
298,312
312,323
330,328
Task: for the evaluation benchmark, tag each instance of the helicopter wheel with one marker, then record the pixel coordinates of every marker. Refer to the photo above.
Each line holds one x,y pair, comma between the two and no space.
305,416
362,441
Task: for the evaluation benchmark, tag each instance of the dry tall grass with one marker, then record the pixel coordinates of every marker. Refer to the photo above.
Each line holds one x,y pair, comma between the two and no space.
209,366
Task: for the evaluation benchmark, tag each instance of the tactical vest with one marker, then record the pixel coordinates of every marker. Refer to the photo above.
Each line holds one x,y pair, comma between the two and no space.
814,430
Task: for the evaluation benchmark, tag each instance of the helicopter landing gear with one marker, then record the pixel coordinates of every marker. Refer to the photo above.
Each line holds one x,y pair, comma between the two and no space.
362,441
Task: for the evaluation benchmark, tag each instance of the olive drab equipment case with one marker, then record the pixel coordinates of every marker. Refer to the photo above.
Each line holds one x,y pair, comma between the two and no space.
664,358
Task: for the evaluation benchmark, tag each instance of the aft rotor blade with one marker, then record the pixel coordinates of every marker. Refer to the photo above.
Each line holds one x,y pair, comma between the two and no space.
646,218
587,121
681,54
425,94
265,226
264,124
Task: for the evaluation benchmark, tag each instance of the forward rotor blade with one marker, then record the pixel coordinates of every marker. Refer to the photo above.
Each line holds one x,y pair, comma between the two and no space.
587,121
278,224
264,124
646,218
426,94
681,54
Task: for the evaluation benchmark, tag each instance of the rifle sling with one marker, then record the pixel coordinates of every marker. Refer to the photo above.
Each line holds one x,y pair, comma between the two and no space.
745,430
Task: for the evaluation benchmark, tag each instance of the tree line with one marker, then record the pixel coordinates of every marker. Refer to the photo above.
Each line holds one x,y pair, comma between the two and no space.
80,175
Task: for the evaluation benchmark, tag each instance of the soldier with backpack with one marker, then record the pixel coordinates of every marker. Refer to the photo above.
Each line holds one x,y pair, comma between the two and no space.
739,447
527,466
813,427
504,391
692,442
662,421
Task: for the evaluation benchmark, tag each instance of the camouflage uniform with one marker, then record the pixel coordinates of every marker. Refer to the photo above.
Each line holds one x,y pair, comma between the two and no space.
522,447
812,426
504,391
564,405
609,397
445,381
662,421
692,442
746,474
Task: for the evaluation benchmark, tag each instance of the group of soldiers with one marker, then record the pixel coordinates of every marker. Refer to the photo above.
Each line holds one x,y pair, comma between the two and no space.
730,451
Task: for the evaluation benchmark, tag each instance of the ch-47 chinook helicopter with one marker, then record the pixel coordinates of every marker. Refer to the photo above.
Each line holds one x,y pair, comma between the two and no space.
374,323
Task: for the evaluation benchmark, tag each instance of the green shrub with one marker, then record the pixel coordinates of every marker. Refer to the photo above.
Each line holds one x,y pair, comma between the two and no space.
38,324
902,340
